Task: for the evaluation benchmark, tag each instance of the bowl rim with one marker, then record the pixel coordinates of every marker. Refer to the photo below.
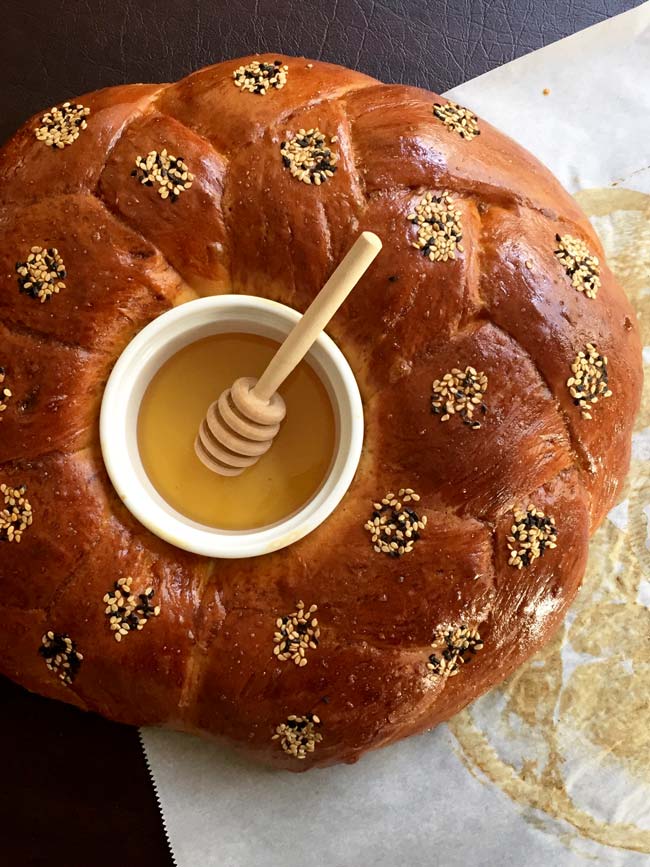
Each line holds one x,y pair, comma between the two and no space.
133,371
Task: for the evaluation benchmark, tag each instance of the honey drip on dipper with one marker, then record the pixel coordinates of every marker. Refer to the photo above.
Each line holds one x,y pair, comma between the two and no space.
241,425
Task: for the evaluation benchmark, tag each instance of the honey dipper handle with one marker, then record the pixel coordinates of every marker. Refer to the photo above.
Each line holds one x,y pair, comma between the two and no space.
299,340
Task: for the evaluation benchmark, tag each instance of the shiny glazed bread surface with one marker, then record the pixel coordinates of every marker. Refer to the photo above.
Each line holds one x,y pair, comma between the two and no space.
505,306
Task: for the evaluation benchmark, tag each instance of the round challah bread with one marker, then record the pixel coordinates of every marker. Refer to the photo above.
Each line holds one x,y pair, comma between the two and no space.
498,360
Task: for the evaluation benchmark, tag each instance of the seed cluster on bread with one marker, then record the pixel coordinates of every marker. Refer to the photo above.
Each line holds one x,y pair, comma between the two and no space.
498,361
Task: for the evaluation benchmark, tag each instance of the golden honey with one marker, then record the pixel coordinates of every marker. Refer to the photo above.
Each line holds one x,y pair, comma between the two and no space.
282,480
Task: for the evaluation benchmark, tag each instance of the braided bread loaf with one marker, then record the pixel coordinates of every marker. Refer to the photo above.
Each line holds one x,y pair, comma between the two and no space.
498,360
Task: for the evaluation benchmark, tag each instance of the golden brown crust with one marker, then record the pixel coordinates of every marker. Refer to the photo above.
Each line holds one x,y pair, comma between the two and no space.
504,306
204,100
30,171
55,403
115,281
202,258
553,324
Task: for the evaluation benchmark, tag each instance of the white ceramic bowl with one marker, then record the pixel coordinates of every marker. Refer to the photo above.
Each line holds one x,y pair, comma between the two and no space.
126,386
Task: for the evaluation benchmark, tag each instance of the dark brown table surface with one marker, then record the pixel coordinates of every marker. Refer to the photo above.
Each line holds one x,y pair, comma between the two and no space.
74,789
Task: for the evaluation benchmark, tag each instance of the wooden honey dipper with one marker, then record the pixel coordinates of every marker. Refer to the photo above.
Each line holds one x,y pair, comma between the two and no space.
241,425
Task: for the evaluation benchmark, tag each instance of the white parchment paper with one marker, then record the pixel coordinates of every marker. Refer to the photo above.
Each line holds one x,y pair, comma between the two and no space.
520,778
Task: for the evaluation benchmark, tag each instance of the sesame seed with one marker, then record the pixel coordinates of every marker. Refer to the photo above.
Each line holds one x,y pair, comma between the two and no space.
41,275
296,633
308,157
299,735
455,645
439,227
162,168
580,265
460,392
61,655
61,125
5,393
458,119
17,514
589,380
259,77
530,535
125,610
393,526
